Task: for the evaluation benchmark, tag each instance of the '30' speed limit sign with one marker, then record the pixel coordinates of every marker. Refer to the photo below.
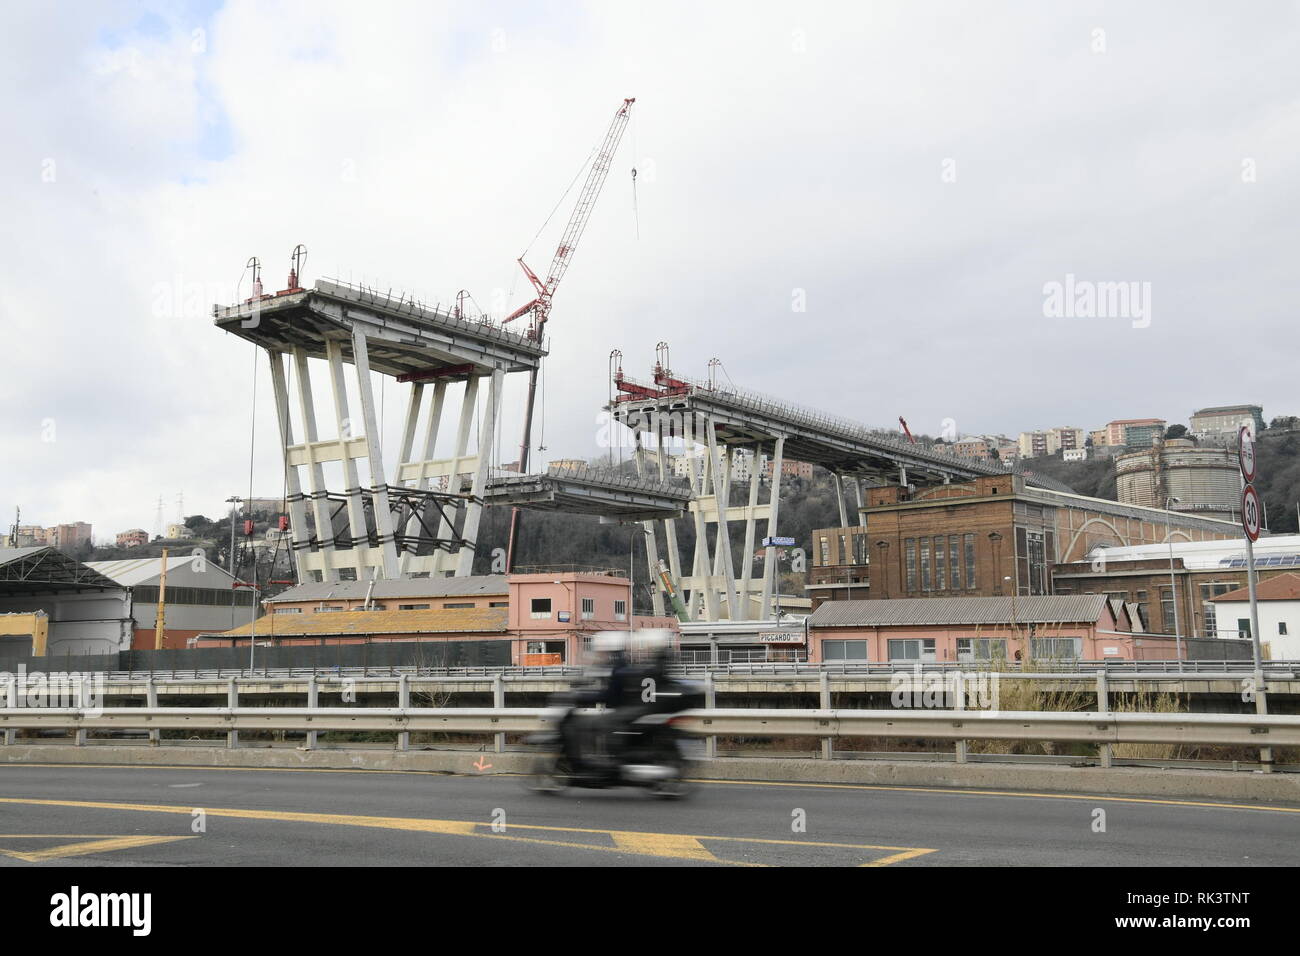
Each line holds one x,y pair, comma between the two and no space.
1250,512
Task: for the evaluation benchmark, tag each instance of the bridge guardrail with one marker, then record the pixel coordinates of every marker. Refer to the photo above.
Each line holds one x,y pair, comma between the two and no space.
1254,730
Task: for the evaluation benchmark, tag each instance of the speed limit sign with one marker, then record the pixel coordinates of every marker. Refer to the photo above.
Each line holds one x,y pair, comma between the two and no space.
1250,512
1246,453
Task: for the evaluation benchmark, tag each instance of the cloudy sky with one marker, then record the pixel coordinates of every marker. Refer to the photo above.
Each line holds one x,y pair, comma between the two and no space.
855,206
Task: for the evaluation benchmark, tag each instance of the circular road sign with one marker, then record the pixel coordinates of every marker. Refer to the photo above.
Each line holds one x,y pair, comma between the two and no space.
1250,512
1246,453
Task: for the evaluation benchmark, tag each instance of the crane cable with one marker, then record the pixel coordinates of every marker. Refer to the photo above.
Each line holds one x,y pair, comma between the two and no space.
636,216
585,164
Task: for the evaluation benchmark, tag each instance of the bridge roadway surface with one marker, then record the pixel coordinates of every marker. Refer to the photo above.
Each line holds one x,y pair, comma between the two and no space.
60,815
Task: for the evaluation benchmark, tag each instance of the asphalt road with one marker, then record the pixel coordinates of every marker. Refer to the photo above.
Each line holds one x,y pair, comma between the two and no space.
131,816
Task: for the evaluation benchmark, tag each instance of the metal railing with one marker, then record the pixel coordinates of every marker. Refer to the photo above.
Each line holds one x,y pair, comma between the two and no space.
1253,730
1170,670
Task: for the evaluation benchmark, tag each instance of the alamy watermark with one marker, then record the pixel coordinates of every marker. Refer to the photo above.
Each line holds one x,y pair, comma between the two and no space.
1084,299
63,689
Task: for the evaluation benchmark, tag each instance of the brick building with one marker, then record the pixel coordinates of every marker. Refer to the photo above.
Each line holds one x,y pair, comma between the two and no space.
995,535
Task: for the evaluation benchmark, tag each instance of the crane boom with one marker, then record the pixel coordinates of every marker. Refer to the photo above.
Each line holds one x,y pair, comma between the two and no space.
540,307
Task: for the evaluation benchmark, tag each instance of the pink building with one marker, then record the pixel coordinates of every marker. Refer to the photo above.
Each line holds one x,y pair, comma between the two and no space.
950,630
548,618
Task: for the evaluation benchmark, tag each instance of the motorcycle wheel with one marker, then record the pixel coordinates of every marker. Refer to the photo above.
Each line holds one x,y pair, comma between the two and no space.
549,776
676,787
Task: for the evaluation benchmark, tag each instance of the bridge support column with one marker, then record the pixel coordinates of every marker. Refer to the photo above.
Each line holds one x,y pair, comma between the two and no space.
840,500
648,535
770,579
232,701
473,510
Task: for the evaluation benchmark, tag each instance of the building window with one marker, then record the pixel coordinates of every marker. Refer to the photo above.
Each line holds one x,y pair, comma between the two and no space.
954,562
1243,627
588,608
981,649
620,610
498,603
541,609
912,649
413,607
970,560
1208,608
860,548
844,650
320,610
909,547
288,610
1167,610
825,551
940,567
471,604
925,564
1144,608
1281,628
1056,648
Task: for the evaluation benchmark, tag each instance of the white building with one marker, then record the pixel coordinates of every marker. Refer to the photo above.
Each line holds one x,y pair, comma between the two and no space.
88,613
201,596
1279,615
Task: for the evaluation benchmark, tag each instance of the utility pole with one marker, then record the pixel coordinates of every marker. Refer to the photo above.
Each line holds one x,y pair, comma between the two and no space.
233,501
161,616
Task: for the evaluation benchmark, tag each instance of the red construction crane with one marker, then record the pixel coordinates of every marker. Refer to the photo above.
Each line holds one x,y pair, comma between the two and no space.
906,431
540,307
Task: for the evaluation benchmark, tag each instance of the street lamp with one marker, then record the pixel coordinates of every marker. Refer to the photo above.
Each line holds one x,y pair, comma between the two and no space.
1173,585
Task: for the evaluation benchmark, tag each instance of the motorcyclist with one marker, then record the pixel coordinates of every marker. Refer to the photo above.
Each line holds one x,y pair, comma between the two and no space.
610,648
638,683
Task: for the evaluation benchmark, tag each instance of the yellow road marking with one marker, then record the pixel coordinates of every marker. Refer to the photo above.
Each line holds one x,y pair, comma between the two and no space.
96,844
670,845
675,845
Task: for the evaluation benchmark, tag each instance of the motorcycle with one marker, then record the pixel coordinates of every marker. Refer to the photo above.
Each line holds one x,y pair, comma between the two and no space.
633,747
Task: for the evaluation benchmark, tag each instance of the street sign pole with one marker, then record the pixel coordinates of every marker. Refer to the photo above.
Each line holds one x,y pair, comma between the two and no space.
1250,521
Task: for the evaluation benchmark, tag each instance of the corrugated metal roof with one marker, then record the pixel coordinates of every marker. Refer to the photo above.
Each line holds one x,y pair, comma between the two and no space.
130,572
1045,609
42,567
488,584
13,554
361,623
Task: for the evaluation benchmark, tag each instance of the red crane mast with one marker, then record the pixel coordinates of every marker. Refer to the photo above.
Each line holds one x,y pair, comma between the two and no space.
540,307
